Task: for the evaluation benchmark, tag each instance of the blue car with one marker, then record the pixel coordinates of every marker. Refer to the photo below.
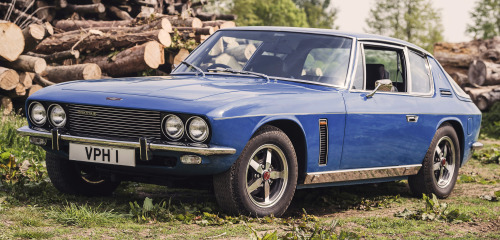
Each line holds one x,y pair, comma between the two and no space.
263,111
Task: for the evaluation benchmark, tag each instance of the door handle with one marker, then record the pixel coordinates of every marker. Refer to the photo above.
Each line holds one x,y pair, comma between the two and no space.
411,118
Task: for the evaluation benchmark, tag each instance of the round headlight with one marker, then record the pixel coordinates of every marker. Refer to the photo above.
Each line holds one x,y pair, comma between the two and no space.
57,115
173,127
198,129
38,115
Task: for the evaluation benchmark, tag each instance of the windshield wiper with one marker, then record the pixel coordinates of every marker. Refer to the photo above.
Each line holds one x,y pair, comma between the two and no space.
230,70
195,67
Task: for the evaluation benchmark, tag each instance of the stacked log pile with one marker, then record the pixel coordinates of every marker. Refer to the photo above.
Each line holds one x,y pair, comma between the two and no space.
475,66
45,42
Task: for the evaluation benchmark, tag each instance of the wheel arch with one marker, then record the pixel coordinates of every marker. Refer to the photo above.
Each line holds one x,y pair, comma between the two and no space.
293,129
459,129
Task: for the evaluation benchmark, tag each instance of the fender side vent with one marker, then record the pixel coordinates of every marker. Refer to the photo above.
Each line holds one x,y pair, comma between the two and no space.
323,142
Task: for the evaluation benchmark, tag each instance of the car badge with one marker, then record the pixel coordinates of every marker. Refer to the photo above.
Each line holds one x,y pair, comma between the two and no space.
114,98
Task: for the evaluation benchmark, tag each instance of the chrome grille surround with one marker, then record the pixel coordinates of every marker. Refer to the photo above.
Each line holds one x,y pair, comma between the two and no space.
110,122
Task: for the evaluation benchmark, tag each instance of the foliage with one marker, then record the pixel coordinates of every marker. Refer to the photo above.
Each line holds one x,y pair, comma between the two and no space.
490,124
269,13
415,21
434,211
486,17
488,155
83,216
319,13
20,161
151,212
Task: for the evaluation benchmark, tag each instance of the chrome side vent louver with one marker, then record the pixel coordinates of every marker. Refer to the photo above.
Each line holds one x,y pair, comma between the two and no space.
323,141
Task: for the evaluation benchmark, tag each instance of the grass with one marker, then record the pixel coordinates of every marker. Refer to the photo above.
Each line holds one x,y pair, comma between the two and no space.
38,211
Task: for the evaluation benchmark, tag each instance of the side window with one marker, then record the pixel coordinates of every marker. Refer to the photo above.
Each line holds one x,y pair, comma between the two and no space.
385,63
420,78
359,77
323,65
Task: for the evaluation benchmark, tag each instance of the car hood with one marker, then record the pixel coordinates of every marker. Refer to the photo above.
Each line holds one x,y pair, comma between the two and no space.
181,93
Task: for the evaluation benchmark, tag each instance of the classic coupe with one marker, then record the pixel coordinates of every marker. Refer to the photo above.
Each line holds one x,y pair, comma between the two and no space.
264,111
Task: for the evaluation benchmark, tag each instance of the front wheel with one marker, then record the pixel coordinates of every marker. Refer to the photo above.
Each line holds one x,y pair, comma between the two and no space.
439,171
262,181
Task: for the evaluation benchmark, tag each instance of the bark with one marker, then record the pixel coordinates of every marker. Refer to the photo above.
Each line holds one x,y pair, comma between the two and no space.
47,13
12,41
57,56
73,72
474,93
460,78
484,73
28,64
119,13
485,100
8,79
107,41
211,17
132,60
6,105
88,8
219,23
33,34
18,91
186,22
196,31
69,25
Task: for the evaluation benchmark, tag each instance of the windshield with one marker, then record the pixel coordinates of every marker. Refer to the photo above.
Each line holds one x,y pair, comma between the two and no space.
311,57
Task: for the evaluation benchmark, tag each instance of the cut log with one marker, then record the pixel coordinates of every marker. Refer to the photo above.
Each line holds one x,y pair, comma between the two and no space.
26,79
34,89
106,41
186,22
21,13
57,56
196,31
132,60
73,72
18,91
485,100
6,105
228,60
180,56
476,92
484,73
45,11
8,79
69,25
28,64
460,78
49,29
33,34
44,82
11,41
219,23
242,52
61,3
88,8
119,13
211,16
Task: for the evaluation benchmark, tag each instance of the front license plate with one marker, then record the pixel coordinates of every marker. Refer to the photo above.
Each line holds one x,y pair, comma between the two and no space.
101,154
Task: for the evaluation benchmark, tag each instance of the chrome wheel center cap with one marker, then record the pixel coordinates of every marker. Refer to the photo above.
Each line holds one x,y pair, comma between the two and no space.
266,176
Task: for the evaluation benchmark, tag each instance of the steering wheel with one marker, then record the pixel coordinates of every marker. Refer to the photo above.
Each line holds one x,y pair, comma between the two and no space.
218,65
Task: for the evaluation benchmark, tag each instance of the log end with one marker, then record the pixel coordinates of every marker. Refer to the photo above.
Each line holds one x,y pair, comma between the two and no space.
12,41
37,31
8,79
477,72
166,25
153,54
164,38
91,71
34,89
482,103
6,105
39,65
196,23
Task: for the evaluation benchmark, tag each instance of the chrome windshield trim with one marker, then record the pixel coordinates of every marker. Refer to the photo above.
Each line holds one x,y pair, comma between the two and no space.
361,174
206,151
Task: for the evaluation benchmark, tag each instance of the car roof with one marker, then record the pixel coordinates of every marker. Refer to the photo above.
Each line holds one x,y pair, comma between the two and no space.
359,36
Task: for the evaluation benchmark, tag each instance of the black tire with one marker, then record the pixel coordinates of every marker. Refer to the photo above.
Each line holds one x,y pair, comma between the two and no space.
439,172
73,178
231,187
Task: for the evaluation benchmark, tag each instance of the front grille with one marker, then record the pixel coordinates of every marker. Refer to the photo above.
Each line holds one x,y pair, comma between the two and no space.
110,122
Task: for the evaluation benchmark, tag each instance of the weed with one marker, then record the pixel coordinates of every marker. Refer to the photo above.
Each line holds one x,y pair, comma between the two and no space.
434,211
83,216
151,212
32,234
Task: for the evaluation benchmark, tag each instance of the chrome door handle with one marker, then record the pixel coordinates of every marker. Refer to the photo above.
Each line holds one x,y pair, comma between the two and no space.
411,118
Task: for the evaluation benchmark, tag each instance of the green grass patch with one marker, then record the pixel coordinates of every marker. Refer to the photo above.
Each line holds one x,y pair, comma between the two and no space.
83,215
33,234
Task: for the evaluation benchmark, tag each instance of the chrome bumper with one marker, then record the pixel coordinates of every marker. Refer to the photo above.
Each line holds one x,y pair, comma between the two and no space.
477,146
205,151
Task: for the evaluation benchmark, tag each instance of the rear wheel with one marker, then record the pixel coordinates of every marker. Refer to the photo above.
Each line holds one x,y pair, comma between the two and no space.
439,171
73,178
262,181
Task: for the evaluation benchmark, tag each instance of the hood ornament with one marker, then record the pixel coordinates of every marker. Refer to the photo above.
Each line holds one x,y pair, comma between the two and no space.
113,98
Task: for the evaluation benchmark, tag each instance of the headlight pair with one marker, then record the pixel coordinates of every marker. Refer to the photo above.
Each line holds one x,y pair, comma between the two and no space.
38,115
174,128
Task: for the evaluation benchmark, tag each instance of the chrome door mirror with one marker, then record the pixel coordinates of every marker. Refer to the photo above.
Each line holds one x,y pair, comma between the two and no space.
383,85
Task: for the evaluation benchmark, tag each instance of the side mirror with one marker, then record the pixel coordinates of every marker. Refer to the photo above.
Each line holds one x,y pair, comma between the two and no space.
383,85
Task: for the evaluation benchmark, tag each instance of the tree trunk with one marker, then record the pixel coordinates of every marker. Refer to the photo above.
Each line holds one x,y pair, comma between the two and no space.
28,64
485,100
70,25
484,73
219,23
11,41
73,72
6,105
8,79
119,13
132,60
460,78
33,34
26,79
34,89
475,92
187,22
57,56
107,41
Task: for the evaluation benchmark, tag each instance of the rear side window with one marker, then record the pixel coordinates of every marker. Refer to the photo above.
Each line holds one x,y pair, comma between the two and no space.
420,75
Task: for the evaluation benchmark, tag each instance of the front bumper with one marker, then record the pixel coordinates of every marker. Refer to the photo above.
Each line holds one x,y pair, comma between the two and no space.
56,137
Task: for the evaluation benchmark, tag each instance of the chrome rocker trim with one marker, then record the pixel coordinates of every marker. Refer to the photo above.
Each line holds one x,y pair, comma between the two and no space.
361,174
205,151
